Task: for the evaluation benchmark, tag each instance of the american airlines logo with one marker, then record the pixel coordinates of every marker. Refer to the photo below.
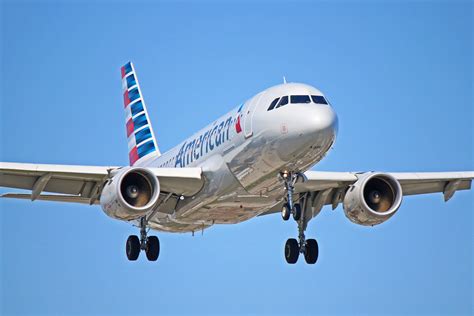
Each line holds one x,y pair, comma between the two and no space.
207,142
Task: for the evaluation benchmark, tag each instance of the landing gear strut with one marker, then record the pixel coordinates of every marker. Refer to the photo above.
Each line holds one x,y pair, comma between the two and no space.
293,247
289,207
150,244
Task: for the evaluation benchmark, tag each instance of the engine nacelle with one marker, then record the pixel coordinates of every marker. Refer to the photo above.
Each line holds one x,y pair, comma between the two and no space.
373,199
130,194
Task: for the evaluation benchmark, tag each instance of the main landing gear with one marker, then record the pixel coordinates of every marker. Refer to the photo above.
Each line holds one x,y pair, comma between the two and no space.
150,244
293,247
308,247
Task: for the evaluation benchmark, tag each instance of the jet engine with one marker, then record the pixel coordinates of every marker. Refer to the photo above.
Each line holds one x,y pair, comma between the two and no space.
372,199
130,193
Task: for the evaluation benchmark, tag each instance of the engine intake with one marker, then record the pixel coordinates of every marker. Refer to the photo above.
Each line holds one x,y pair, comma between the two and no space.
373,199
130,194
136,189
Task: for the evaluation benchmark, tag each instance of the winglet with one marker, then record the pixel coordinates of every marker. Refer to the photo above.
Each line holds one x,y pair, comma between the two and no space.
141,139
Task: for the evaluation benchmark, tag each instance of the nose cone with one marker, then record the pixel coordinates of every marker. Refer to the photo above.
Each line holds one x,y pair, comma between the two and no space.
318,122
324,119
311,131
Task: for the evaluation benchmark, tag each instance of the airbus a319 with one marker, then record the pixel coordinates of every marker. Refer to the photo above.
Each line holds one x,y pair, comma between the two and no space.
250,162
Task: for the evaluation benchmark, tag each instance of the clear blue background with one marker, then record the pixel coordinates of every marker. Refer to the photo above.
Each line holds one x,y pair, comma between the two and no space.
399,74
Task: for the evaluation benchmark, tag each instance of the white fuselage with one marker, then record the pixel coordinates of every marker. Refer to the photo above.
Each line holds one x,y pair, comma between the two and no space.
243,152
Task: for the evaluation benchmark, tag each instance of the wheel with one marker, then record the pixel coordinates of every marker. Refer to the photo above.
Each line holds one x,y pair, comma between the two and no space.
311,251
152,248
292,251
297,212
132,247
285,212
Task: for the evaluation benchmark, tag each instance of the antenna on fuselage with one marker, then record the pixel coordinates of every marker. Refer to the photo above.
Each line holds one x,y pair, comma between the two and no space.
284,79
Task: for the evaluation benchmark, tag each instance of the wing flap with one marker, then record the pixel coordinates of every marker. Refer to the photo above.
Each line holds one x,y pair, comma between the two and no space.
51,197
65,171
55,184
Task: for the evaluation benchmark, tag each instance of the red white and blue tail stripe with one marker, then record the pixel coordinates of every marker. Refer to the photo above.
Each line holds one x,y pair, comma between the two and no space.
141,139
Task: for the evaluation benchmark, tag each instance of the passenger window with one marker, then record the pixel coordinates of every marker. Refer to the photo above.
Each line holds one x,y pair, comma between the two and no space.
283,101
319,99
272,105
300,99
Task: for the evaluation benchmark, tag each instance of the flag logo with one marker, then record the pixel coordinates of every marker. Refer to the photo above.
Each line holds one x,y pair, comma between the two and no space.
238,126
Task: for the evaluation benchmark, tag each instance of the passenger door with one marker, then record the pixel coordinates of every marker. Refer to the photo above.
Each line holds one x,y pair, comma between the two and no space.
248,115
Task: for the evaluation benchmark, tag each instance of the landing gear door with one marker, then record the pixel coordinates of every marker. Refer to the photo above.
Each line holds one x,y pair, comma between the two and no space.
248,115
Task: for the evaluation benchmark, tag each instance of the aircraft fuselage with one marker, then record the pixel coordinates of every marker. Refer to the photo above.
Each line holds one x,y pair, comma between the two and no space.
243,152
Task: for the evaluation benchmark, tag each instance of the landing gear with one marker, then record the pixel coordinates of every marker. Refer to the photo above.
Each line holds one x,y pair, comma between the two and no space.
152,249
151,244
309,248
132,248
289,207
292,251
285,212
296,212
311,251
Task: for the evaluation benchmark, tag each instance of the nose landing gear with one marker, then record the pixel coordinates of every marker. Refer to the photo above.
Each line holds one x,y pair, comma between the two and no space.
150,244
289,207
293,247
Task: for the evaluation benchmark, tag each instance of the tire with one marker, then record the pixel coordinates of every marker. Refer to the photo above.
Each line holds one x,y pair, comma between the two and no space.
311,252
132,247
292,251
285,212
152,248
297,212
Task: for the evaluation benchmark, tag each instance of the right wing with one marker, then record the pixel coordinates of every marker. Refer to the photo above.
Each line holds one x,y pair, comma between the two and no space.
83,184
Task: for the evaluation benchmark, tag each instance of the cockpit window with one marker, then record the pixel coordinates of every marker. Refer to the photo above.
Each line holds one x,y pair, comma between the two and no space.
272,105
319,99
283,101
300,99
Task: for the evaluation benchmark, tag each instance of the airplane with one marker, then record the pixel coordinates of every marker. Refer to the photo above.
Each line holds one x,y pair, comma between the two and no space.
252,161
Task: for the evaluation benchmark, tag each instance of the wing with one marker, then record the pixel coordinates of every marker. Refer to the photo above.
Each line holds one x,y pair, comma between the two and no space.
328,188
412,183
83,184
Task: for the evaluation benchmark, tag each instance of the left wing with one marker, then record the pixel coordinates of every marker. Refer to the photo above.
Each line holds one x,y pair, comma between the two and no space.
329,188
83,184
412,183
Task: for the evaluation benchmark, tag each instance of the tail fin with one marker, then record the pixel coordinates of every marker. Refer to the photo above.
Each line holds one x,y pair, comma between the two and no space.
141,139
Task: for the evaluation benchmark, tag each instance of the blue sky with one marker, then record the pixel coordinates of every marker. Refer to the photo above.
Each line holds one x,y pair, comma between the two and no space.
399,75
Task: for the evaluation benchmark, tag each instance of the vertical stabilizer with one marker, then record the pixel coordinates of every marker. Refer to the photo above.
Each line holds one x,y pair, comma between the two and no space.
141,139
